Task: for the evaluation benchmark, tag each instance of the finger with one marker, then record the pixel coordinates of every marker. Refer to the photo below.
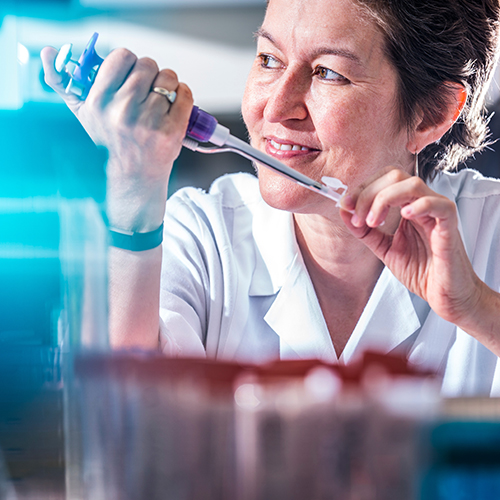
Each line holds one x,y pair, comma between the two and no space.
436,207
138,83
168,80
358,232
395,195
112,74
378,241
57,81
350,199
364,195
179,112
52,78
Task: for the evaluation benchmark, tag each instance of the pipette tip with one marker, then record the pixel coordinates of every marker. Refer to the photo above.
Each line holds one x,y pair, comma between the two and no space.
331,187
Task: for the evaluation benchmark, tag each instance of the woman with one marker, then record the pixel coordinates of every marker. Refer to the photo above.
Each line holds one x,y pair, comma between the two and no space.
369,91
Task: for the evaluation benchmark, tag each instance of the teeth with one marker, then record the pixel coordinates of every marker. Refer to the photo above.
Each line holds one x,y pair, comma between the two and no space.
288,147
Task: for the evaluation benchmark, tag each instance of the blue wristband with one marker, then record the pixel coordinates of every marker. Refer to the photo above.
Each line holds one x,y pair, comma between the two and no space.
135,242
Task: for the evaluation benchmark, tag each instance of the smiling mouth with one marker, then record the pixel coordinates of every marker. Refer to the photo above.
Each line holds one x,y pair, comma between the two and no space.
288,147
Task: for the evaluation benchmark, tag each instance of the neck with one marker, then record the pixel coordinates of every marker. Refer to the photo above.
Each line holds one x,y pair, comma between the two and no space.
342,269
331,250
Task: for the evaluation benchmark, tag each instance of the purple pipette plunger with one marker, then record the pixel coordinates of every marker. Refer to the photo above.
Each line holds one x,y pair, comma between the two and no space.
201,125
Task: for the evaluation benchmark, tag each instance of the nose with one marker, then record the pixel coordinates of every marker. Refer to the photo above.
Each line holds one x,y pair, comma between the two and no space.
287,98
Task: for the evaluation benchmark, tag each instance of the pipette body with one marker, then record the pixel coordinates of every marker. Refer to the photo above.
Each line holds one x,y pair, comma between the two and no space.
203,127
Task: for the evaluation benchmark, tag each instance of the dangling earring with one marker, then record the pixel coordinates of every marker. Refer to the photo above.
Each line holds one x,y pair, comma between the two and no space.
417,173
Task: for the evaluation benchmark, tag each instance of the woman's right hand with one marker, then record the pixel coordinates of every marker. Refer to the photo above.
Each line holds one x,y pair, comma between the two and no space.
142,131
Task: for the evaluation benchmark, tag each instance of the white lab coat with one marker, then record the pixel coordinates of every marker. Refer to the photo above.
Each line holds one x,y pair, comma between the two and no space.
234,286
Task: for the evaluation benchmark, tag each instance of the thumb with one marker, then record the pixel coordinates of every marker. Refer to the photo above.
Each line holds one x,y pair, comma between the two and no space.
57,81
377,241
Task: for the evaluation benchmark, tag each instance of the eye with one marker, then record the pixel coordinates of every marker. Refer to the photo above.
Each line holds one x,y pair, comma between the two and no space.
329,75
267,61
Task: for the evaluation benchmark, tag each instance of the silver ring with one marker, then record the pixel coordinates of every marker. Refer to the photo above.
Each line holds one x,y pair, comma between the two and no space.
169,94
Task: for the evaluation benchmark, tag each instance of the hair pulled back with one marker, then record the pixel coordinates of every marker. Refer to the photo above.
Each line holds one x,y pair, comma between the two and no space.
432,44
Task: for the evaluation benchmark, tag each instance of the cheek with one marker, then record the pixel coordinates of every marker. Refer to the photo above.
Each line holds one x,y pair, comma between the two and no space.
340,130
348,117
252,106
357,125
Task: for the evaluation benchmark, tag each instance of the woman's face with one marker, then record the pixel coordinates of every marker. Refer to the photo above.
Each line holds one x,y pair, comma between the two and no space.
321,97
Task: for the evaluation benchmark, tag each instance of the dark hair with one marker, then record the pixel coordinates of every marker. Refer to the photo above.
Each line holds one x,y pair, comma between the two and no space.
433,43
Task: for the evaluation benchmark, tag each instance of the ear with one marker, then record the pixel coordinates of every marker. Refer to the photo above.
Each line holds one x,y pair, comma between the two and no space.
428,132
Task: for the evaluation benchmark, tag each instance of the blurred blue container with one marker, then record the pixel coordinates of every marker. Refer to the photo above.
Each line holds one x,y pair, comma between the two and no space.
52,252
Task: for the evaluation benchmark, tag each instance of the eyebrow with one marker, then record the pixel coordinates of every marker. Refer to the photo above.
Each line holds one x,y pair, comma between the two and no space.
320,51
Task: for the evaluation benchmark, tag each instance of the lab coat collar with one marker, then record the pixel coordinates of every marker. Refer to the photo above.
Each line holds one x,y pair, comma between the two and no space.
295,314
274,235
297,318
388,319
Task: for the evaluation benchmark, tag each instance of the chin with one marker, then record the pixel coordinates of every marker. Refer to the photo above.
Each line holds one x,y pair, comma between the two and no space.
284,194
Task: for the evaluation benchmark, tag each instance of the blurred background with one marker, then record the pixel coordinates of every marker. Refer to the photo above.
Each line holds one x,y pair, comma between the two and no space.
209,43
52,193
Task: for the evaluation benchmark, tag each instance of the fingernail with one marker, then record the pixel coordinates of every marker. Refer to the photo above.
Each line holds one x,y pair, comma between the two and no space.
370,218
355,221
407,211
347,202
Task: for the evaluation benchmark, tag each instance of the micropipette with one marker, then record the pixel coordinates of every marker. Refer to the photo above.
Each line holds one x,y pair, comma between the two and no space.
202,126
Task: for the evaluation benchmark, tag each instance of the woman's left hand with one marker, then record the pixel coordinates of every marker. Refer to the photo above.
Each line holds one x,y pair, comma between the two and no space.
426,252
